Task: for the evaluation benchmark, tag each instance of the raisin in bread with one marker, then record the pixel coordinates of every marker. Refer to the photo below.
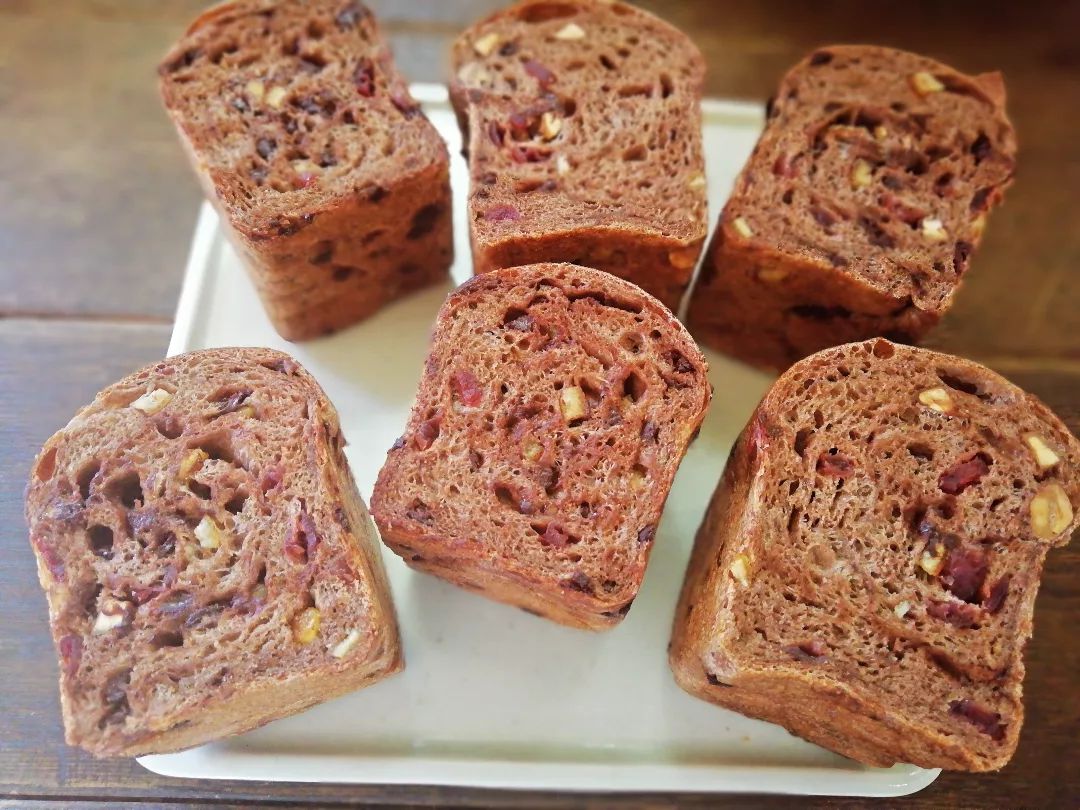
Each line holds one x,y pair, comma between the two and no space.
859,209
583,133
556,405
866,572
332,184
208,562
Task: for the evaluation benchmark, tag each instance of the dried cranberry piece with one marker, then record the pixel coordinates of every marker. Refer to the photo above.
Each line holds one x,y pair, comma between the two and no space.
958,614
467,388
51,558
813,651
496,133
964,572
555,537
529,154
979,198
964,474
271,477
996,598
71,648
233,402
835,465
302,540
646,535
143,595
579,582
981,148
427,433
542,75
988,722
961,254
502,213
364,78
649,431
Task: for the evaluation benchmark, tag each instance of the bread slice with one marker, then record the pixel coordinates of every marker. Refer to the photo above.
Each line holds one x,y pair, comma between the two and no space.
866,572
583,133
556,404
859,209
208,563
332,184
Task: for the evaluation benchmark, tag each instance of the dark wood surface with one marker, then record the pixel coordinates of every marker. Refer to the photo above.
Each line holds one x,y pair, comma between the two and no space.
96,211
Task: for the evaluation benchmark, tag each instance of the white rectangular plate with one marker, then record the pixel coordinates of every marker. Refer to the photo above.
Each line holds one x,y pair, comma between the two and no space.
491,696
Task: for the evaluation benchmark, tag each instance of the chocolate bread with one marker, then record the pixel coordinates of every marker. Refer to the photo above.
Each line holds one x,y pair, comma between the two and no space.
556,405
859,209
867,569
583,134
208,563
332,184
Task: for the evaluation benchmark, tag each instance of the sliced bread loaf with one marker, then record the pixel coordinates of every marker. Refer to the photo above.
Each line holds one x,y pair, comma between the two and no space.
556,404
866,572
332,184
583,131
860,208
208,563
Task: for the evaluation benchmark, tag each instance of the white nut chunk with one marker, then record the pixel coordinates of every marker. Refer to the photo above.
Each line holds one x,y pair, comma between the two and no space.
937,399
932,560
926,83
740,569
276,97
1044,456
742,227
683,259
486,44
208,533
573,404
861,174
1051,512
901,609
113,614
255,89
550,126
153,401
346,645
570,31
934,230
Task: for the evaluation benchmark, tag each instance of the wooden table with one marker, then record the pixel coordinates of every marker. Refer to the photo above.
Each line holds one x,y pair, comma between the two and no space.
97,206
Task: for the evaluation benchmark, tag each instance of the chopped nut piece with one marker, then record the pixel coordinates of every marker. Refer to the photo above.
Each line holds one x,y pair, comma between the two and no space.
113,614
473,74
531,449
772,274
901,610
933,229
345,646
740,569
255,89
486,44
550,126
683,259
152,402
1044,456
933,559
192,462
937,399
637,480
1051,512
570,31
208,533
306,625
978,225
880,133
861,174
258,593
562,165
276,97
696,181
742,227
926,83
248,411
573,404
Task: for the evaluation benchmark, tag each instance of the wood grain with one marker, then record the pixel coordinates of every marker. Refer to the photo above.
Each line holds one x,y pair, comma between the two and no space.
96,210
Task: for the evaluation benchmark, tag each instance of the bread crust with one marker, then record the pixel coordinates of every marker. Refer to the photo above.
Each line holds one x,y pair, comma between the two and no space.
486,469
562,165
859,210
224,685
821,695
329,246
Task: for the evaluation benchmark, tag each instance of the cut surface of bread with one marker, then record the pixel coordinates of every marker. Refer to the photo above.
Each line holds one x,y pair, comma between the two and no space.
208,562
582,126
860,208
867,569
331,182
555,407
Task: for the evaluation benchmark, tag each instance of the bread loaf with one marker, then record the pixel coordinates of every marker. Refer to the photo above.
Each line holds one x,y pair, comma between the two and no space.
866,572
860,208
332,184
556,404
583,131
208,563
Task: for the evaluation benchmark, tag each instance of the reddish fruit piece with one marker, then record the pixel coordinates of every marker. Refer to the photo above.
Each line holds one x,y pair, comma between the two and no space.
364,78
964,474
502,213
302,539
553,536
542,75
836,466
964,572
427,433
958,614
529,154
814,651
466,388
988,722
70,654
997,595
